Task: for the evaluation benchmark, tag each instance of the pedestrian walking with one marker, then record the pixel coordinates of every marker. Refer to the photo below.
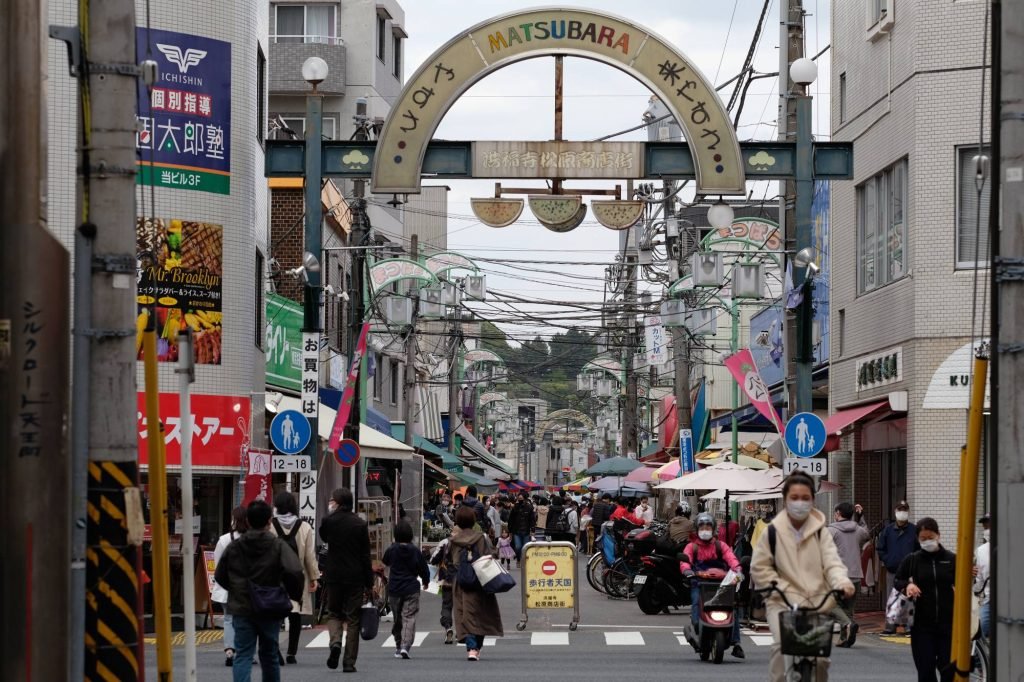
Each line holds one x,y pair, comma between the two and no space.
801,559
443,514
680,527
407,565
850,537
520,523
493,514
982,573
573,516
506,552
644,511
348,575
257,559
476,612
586,528
298,535
557,520
446,583
926,576
219,593
473,502
896,542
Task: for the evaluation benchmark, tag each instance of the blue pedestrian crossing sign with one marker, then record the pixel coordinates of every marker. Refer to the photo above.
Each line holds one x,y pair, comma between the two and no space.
805,434
290,432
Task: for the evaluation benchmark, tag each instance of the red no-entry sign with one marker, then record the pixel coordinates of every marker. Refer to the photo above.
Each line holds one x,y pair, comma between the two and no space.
549,567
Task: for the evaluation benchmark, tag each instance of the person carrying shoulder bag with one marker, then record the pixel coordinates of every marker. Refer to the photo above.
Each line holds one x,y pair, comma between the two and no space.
262,576
475,612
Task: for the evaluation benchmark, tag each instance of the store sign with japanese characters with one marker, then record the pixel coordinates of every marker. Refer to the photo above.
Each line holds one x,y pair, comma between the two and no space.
284,343
220,429
307,497
507,159
183,134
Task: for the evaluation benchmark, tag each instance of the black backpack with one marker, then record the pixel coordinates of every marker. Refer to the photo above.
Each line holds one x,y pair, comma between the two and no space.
562,522
289,539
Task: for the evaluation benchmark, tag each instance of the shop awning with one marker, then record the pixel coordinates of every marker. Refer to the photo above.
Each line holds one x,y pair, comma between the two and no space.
482,483
449,461
376,445
474,448
840,420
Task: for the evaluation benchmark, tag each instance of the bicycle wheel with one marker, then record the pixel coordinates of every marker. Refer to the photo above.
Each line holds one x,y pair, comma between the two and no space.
802,670
619,580
979,660
380,594
595,572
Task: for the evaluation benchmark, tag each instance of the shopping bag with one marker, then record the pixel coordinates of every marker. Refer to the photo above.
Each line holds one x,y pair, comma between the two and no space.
899,609
492,576
369,621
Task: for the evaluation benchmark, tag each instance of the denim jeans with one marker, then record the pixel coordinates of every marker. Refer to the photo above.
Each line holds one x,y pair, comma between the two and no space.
986,619
695,612
474,642
518,541
229,631
247,631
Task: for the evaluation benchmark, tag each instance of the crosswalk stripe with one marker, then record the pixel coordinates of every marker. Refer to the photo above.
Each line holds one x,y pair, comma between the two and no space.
417,640
761,640
549,639
627,638
323,641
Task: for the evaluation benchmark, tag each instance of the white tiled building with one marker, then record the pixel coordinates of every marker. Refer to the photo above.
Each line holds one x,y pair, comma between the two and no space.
907,90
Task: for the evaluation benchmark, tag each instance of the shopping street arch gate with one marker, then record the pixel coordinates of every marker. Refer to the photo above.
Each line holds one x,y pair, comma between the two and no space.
405,152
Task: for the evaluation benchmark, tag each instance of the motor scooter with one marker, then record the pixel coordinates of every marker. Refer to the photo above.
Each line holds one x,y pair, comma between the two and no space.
660,584
715,616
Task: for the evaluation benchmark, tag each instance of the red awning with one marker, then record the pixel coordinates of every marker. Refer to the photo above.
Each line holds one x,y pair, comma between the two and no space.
843,418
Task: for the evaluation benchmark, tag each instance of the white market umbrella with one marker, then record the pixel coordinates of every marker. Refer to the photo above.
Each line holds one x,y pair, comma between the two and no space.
724,475
745,497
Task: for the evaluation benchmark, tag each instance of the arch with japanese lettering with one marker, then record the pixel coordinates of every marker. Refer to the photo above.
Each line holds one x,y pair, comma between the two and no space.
498,42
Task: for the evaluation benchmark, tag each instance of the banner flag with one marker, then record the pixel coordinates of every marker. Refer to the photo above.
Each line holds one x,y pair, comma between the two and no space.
341,418
744,370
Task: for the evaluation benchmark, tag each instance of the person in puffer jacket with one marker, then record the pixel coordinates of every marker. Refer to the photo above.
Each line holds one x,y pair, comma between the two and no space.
703,554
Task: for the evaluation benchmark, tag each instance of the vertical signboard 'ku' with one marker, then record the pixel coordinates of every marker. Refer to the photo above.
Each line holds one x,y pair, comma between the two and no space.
184,120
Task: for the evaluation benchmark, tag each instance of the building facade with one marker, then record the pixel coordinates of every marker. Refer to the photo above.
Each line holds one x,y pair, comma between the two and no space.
904,274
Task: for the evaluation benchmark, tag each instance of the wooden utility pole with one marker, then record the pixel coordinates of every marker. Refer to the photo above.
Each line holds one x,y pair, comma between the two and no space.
34,334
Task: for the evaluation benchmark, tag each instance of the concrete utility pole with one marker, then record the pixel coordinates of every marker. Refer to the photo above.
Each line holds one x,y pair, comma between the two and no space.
791,41
410,349
453,383
680,340
1008,325
33,370
629,415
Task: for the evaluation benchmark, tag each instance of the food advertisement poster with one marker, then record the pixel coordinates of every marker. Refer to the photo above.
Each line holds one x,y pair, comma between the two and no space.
180,273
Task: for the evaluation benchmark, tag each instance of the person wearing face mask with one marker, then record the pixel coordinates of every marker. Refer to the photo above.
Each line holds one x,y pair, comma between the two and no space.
802,561
645,511
703,554
850,538
896,542
981,574
927,576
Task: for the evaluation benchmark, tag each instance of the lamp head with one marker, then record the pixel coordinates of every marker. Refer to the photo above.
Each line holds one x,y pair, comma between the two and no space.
803,71
805,258
314,71
720,215
310,262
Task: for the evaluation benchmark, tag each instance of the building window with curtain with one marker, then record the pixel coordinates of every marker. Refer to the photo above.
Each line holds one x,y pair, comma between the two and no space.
972,204
305,24
882,228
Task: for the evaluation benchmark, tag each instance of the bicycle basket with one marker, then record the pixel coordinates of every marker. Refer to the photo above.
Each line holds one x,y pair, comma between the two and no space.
805,634
715,595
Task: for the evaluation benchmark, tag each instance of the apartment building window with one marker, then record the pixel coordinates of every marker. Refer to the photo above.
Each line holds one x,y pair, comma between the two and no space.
382,25
298,124
378,379
842,332
261,94
261,333
882,228
396,42
396,376
842,98
305,24
971,209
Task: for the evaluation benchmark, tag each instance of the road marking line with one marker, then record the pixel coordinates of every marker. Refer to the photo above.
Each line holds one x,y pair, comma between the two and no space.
417,640
761,640
322,641
490,641
623,639
549,639
682,639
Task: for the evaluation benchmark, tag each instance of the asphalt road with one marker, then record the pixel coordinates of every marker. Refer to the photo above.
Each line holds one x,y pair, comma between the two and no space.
615,641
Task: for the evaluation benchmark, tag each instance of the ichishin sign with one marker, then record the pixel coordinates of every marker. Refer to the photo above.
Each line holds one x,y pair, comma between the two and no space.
220,429
184,120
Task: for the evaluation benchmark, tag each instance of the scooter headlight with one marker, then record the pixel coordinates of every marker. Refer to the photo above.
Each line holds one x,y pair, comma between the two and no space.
718,616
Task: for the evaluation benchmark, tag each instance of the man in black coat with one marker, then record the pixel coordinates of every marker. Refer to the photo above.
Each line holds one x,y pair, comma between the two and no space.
520,523
347,573
259,558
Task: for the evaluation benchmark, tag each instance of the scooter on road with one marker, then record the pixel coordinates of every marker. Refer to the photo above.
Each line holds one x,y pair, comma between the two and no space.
715,616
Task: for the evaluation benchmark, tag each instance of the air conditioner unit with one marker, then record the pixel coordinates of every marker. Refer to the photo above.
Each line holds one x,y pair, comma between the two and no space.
707,269
399,310
476,287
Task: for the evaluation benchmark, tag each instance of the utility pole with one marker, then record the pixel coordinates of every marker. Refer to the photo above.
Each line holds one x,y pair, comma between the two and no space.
791,42
1008,331
680,341
410,349
34,333
453,384
629,429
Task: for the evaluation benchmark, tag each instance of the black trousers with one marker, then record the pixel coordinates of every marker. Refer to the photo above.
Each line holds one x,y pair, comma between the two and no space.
294,630
931,649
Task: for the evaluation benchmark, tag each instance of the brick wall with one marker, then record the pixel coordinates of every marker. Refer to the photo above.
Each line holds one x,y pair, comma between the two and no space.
286,237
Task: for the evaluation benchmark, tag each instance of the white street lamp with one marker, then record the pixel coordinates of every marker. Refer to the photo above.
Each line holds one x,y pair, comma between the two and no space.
720,215
314,71
803,71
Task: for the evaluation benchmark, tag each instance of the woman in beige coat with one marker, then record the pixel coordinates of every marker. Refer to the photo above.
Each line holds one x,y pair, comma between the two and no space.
299,536
805,564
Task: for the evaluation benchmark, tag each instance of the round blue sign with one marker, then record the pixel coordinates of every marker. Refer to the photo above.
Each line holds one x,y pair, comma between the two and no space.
290,432
805,434
347,453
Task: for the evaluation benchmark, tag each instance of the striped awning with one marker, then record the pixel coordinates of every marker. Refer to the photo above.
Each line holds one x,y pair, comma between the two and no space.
428,416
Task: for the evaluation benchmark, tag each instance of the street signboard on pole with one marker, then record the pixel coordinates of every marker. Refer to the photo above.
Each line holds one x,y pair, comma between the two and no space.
686,462
291,464
290,432
805,434
347,453
812,466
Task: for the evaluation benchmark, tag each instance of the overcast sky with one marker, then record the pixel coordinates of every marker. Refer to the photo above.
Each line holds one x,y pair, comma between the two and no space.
517,103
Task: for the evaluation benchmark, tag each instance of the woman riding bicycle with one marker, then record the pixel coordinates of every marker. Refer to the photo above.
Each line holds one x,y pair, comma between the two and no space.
798,554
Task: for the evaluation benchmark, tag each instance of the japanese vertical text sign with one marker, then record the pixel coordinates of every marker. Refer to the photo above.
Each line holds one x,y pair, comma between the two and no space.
548,578
655,341
310,375
184,121
307,499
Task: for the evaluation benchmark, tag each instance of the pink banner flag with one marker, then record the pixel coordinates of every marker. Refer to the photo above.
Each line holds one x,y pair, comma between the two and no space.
743,368
341,418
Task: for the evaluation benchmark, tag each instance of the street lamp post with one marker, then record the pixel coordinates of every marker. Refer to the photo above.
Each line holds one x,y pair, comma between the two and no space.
803,72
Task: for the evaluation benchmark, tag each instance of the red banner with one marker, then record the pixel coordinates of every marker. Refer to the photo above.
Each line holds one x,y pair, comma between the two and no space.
341,418
220,429
257,478
744,370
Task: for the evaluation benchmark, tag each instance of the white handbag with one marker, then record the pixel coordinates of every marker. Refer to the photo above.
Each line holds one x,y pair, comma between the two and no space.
492,575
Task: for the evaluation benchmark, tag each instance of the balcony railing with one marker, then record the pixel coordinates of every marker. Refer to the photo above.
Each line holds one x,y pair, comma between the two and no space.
318,39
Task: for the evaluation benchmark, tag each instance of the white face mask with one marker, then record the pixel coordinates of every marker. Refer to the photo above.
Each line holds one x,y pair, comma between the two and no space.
930,545
799,510
332,506
902,516
985,535
704,535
